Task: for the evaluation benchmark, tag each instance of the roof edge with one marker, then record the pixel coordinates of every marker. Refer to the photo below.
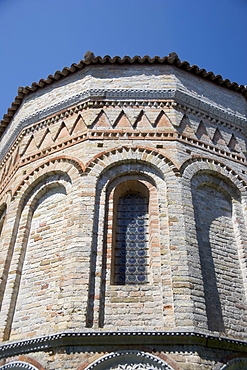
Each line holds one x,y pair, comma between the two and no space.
171,59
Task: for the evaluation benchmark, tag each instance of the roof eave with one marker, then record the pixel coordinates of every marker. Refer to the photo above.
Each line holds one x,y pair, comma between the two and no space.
172,59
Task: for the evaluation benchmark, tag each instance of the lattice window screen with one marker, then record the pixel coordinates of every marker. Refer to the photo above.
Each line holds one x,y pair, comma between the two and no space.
131,240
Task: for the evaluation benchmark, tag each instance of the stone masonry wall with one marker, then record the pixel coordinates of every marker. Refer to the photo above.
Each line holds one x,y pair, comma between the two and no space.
58,179
218,251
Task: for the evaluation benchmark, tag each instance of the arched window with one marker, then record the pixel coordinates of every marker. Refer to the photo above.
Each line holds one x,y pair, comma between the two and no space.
130,233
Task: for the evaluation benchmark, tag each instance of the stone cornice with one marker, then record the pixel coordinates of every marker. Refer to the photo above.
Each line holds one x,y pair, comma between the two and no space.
132,135
82,341
213,112
118,97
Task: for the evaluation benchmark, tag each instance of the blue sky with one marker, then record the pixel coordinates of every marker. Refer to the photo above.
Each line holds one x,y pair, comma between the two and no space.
39,37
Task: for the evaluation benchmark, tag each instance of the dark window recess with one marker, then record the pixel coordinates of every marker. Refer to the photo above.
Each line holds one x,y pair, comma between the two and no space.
131,240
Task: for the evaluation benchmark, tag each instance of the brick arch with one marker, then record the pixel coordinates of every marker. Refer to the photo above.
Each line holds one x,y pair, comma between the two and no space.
24,362
62,163
6,198
217,181
239,363
192,166
154,186
127,359
42,190
42,184
149,191
18,365
130,153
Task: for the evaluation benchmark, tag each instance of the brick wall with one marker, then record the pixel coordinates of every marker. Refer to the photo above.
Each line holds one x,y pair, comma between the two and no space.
58,177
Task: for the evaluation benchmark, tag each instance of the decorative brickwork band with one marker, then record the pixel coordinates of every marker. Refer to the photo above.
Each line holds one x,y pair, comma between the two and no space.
130,360
18,366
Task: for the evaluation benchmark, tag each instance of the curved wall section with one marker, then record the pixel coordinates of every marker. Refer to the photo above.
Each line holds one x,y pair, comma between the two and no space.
49,286
45,252
215,206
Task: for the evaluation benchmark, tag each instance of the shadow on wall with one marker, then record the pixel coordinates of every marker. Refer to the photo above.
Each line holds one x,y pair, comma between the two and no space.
213,216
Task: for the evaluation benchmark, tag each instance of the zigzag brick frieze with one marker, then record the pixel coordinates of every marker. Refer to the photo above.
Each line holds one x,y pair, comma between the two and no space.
228,119
39,149
148,135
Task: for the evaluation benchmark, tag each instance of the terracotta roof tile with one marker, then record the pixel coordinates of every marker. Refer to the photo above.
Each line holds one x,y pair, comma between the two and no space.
172,59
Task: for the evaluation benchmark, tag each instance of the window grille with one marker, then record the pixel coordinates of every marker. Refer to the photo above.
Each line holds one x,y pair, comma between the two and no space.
131,240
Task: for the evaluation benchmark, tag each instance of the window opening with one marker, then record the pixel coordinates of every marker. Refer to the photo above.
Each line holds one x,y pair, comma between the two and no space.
131,239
